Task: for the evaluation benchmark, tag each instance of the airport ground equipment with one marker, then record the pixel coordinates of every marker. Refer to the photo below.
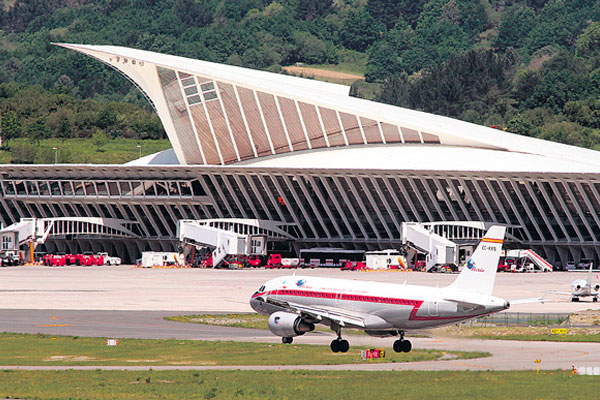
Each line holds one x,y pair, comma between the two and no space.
525,261
438,250
230,237
28,233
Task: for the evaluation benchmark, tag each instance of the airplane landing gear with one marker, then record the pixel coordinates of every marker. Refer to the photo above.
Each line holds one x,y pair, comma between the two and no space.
340,345
595,299
401,345
287,340
575,299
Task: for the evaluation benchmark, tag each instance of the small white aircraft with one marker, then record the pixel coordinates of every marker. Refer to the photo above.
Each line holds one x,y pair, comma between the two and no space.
583,288
295,303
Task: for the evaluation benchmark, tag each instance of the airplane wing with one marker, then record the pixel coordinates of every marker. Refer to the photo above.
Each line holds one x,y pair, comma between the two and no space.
320,314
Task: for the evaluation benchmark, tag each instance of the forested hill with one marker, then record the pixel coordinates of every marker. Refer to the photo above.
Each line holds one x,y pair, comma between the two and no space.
529,66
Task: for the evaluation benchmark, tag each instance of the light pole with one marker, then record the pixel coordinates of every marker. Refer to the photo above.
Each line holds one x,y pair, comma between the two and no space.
55,154
140,149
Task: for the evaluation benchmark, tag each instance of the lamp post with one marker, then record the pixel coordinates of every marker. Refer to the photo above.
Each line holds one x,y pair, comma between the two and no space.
55,154
140,149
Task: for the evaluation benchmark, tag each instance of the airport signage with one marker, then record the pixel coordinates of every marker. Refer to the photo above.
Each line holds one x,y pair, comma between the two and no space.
558,331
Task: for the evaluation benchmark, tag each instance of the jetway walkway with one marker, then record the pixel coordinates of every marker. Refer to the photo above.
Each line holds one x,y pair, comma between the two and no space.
31,232
231,236
437,249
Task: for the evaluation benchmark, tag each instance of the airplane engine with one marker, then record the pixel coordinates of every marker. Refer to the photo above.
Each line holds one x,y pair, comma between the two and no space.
597,287
287,324
578,287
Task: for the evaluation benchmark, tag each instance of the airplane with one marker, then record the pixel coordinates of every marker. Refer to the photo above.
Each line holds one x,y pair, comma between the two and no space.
583,288
295,304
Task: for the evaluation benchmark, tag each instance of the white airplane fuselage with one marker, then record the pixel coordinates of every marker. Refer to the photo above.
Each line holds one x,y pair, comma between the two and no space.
388,306
583,288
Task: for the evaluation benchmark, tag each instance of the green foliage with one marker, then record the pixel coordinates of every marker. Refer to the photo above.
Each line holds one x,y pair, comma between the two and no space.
100,139
588,43
38,130
472,80
514,27
10,125
360,30
415,47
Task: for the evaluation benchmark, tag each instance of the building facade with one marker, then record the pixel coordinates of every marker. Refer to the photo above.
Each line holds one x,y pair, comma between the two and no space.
337,171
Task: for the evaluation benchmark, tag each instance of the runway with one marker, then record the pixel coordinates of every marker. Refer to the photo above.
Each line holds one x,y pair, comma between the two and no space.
506,355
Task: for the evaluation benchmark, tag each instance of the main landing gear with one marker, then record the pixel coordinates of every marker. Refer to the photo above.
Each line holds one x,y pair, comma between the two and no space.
287,340
340,345
401,345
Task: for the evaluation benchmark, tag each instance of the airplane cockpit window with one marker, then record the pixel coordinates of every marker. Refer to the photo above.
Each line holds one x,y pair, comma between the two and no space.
262,288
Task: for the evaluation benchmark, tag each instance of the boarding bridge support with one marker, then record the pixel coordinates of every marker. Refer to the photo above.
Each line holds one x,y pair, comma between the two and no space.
35,231
222,241
437,249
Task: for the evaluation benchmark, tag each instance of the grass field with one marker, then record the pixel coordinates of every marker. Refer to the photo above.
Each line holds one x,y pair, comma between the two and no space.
116,151
252,321
525,333
295,385
23,349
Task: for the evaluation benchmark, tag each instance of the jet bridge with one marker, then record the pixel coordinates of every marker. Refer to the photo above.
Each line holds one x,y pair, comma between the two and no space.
437,249
31,232
231,236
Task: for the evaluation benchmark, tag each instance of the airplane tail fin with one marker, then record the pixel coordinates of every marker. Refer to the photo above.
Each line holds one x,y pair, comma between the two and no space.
479,273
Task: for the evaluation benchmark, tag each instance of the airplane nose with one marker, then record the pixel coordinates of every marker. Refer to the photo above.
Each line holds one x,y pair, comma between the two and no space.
255,303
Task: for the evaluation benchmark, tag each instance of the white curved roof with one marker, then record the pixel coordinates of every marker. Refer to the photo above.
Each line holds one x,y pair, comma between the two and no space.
418,157
275,119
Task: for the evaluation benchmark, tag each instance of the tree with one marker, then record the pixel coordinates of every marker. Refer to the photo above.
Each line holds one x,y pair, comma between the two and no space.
11,126
309,48
383,62
311,9
100,139
588,43
38,130
360,30
195,12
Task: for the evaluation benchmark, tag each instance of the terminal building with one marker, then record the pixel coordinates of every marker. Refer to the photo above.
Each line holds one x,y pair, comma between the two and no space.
304,163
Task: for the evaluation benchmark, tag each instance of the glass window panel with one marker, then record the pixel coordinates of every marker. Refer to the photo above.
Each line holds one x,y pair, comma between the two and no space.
207,86
210,96
194,100
191,90
188,82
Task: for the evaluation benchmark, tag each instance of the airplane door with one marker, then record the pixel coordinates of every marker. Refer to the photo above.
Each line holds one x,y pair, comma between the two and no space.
432,307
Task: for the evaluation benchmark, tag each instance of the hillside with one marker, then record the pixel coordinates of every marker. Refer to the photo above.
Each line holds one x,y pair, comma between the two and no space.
528,66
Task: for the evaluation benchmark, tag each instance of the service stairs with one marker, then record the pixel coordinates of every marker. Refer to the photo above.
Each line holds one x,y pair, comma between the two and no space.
437,249
532,256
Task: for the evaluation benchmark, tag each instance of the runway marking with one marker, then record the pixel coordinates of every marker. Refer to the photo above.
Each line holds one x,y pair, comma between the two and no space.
54,325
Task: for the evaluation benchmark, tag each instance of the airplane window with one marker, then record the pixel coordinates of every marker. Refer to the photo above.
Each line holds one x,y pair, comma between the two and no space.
261,288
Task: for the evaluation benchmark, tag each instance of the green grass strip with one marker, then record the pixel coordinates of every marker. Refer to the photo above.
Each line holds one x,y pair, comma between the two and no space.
23,349
298,385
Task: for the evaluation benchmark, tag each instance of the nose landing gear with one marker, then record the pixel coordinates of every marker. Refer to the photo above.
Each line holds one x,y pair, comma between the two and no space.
401,345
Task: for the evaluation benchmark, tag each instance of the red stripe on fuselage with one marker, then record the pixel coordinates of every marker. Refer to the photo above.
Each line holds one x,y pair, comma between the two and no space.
416,304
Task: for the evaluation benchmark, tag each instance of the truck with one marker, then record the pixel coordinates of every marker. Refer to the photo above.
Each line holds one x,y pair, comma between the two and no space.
276,261
161,259
10,258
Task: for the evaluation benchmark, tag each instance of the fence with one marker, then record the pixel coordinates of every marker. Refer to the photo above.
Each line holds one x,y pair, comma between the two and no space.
522,319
